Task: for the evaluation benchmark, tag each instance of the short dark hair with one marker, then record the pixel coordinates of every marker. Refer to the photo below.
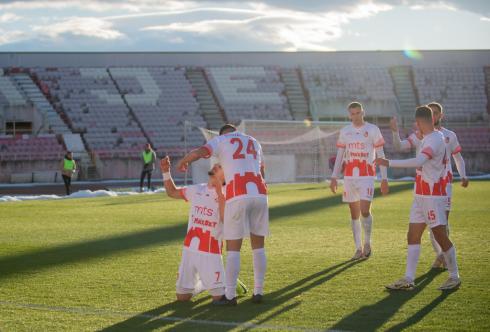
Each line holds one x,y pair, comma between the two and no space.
436,105
227,128
424,113
354,104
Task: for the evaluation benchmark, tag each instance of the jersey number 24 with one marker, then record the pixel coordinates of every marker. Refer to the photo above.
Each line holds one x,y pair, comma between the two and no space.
239,148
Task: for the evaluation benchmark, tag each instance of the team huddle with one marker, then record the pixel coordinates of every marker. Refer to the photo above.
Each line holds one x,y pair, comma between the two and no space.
233,205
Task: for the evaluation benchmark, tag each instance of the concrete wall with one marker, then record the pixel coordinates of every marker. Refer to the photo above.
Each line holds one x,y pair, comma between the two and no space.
374,58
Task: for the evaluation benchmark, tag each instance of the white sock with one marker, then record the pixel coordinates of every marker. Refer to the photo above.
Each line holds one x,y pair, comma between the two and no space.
356,231
413,254
260,265
452,265
435,245
367,224
198,288
231,274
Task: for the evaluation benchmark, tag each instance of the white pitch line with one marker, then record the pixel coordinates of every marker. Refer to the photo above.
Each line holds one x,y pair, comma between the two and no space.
106,312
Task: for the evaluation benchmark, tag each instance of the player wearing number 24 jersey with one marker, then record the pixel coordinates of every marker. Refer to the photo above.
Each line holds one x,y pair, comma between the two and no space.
429,202
246,208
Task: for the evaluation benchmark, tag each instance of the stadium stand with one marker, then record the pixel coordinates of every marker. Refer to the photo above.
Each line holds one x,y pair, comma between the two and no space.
106,113
51,119
211,111
331,88
94,107
162,100
460,89
296,94
250,93
27,147
10,94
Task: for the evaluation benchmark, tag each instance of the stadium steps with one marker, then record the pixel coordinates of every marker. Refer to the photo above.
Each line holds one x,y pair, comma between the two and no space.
131,112
296,94
51,119
209,106
405,91
486,70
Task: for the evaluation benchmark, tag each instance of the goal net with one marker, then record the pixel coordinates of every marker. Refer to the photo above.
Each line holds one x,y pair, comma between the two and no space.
294,151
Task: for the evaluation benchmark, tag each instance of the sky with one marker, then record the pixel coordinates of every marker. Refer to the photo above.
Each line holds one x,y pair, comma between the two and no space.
227,26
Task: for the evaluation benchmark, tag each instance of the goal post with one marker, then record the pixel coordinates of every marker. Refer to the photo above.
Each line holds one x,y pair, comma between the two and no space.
294,151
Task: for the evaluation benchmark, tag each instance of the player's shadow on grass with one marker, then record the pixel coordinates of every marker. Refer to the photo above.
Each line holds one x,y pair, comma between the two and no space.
84,251
372,317
245,312
157,317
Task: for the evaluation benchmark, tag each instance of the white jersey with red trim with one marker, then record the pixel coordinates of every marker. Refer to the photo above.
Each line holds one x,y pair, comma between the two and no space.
203,224
360,149
452,148
240,157
431,179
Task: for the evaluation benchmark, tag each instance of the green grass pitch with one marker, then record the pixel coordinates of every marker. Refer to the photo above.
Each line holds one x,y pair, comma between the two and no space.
110,264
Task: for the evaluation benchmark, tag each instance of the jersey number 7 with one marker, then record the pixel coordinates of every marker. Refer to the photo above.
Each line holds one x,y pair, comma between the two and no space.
239,149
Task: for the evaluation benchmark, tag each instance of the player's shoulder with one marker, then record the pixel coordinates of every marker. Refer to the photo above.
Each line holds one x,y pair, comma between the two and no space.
372,128
346,128
435,137
448,133
198,187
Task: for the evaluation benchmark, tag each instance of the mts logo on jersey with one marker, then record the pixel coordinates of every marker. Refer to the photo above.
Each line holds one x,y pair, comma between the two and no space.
204,211
357,145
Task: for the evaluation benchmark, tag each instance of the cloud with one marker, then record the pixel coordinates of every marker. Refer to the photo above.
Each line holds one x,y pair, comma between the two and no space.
96,5
9,17
436,5
486,19
80,26
292,30
9,37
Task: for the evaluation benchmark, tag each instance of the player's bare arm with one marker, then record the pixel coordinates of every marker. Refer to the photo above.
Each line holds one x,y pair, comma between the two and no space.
170,188
385,189
398,143
461,167
191,157
336,169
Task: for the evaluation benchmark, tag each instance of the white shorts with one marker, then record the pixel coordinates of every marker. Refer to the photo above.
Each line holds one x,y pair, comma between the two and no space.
449,191
358,190
245,216
204,266
430,210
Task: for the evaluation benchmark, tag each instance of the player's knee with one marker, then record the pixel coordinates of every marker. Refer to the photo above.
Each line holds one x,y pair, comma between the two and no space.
366,214
413,238
183,297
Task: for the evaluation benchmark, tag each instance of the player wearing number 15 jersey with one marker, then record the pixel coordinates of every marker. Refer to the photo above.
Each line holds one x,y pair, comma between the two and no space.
246,209
357,145
429,203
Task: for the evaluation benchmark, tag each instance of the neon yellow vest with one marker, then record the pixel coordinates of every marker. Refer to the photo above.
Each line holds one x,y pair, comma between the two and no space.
68,164
147,156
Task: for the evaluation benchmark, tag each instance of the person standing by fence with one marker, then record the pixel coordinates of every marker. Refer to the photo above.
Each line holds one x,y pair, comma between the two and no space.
68,168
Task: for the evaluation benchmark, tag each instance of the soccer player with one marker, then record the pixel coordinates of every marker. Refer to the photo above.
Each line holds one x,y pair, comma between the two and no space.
452,149
357,145
246,208
201,266
429,202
